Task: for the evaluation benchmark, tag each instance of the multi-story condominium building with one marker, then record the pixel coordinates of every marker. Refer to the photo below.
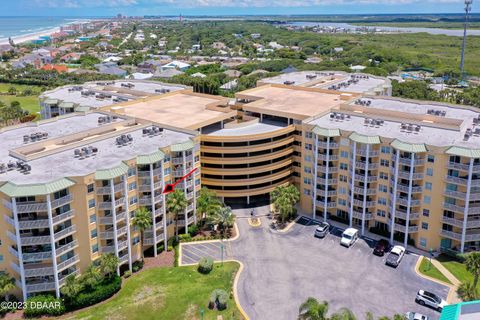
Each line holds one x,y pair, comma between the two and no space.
334,80
94,95
69,186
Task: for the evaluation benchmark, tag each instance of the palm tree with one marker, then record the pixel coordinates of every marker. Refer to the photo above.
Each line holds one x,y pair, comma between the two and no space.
472,262
91,276
311,309
142,220
108,264
284,199
223,217
71,288
176,203
7,284
207,202
343,314
467,291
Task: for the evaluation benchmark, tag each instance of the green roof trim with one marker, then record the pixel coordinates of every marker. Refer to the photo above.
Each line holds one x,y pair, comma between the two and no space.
184,146
409,147
12,190
360,138
151,158
326,132
66,105
50,101
107,174
464,152
454,311
82,109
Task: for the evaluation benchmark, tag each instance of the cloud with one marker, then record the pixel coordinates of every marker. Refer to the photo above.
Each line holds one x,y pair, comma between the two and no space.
222,3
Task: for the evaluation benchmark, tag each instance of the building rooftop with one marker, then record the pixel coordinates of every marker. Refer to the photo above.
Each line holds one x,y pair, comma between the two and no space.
181,109
440,125
107,93
292,102
53,158
246,129
332,80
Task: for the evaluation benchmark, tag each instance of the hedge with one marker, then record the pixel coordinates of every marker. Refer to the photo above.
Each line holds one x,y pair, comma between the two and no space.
102,291
219,299
41,305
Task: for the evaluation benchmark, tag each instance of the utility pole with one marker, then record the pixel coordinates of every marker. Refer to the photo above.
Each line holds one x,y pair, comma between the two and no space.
468,8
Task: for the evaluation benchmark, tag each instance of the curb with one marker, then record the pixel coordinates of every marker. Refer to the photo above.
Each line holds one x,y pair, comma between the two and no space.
451,292
235,291
254,225
289,226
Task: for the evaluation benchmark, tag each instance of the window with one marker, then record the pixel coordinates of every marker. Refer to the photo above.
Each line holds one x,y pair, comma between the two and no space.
384,163
308,146
95,248
132,171
382,188
166,171
383,175
344,154
90,188
308,158
423,242
343,178
91,203
136,240
381,213
306,192
133,200
427,199
343,190
385,150
308,135
342,202
343,166
307,181
431,158
166,159
426,213
132,186
429,172
428,185
307,169
93,218
382,201
93,233
344,142
424,226
197,182
1,257
132,213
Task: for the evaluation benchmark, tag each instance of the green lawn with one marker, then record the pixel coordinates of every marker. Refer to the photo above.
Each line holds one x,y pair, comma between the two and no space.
168,294
430,270
458,269
29,103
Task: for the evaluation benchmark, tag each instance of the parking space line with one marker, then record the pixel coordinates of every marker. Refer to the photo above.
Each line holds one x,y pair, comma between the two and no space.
195,253
191,256
199,252
208,249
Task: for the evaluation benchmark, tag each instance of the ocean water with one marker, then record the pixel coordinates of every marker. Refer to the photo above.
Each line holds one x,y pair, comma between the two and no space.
20,26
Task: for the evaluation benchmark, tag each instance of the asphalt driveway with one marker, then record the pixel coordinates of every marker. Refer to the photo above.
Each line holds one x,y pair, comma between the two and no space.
283,269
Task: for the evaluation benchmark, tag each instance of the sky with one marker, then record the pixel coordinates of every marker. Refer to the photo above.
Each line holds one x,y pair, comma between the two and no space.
97,8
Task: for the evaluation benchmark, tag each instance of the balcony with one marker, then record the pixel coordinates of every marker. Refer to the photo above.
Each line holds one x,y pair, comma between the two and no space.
408,161
323,157
65,232
62,201
123,259
190,195
406,175
456,180
40,287
451,235
329,204
401,228
190,207
361,178
42,222
363,165
329,193
68,263
107,205
359,203
37,256
363,152
405,202
453,207
119,187
14,252
31,207
362,190
122,245
32,270
403,215
109,219
325,182
61,279
107,249
359,215
325,169
179,173
406,188
325,145
177,160
66,247
455,194
458,166
35,240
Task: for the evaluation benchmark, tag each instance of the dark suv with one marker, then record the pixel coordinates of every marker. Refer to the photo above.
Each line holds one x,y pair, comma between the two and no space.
381,247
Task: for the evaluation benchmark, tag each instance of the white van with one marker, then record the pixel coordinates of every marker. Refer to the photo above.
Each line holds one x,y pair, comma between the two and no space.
349,237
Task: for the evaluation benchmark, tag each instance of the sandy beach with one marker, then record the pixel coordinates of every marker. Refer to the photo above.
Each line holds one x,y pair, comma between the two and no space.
30,36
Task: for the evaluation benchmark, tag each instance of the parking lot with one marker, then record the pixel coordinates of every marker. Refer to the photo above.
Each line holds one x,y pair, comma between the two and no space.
283,269
193,252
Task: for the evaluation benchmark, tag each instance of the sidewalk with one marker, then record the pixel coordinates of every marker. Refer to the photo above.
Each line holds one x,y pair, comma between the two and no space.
452,295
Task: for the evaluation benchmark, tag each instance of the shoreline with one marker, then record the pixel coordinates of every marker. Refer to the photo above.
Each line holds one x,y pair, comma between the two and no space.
35,35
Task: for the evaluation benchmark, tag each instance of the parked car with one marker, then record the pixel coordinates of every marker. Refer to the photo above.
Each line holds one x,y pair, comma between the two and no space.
429,299
322,230
395,256
349,237
416,316
381,247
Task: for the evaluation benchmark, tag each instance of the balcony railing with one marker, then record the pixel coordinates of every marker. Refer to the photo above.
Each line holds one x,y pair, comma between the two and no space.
325,145
416,162
62,201
367,203
331,157
403,215
35,240
67,263
405,202
323,169
67,247
107,249
363,152
31,207
37,272
456,180
37,256
119,187
124,259
360,177
61,280
453,207
324,181
40,287
329,204
325,193
65,232
359,215
401,228
405,188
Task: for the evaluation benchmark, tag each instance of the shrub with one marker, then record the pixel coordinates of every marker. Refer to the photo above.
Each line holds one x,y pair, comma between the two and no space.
193,230
137,265
205,265
175,252
102,291
219,299
184,237
170,248
41,305
127,274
